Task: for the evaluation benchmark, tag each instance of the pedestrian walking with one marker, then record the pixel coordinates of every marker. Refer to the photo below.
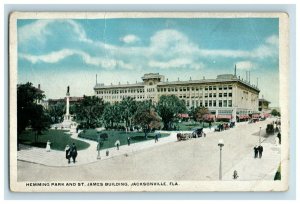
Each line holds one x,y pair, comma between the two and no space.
260,151
68,156
279,137
156,138
48,148
117,143
235,174
255,151
128,141
73,152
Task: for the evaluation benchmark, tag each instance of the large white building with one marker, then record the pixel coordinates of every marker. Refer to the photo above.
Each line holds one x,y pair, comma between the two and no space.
227,96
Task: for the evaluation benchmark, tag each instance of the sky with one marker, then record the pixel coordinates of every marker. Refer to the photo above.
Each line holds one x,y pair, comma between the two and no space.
57,53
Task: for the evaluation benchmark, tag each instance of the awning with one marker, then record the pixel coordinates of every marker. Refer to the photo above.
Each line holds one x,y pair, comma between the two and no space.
224,116
183,115
243,116
209,117
255,115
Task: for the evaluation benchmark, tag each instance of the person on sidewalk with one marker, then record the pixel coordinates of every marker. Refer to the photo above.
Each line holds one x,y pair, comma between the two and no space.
117,143
48,148
156,137
128,141
73,152
255,151
260,151
68,155
279,137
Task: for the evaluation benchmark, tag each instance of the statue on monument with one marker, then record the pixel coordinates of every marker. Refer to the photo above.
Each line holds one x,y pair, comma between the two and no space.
68,89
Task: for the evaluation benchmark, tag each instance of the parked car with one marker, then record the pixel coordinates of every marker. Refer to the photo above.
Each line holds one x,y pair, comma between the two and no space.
197,132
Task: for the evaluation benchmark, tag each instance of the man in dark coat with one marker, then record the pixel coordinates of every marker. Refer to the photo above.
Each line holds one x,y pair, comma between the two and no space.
255,151
156,138
73,152
260,151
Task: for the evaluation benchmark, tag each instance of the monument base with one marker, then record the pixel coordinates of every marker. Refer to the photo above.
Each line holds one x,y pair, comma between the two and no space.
67,124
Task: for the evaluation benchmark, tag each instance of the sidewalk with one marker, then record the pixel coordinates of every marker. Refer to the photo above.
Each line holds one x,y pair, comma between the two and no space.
250,169
89,155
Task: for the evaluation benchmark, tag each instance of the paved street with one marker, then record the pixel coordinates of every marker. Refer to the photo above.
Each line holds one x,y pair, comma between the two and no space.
196,159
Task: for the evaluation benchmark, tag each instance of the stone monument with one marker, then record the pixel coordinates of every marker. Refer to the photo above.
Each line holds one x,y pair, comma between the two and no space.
67,116
67,123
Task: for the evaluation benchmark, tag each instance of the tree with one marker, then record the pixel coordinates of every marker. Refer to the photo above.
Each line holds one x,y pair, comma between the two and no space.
200,112
128,107
168,108
146,117
274,112
111,114
89,111
27,98
56,112
29,112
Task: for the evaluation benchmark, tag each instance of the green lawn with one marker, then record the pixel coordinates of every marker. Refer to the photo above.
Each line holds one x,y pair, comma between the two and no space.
113,136
58,138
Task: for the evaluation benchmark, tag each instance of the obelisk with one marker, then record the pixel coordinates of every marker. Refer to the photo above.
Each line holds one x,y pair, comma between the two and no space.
67,117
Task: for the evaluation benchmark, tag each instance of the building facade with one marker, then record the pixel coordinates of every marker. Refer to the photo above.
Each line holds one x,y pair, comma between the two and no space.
226,96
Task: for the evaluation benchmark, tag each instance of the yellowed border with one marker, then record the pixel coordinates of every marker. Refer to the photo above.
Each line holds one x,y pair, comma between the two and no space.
184,185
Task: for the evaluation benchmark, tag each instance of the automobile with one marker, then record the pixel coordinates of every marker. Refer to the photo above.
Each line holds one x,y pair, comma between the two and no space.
197,132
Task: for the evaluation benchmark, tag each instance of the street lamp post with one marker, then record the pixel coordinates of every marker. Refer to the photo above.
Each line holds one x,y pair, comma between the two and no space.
220,144
98,148
259,135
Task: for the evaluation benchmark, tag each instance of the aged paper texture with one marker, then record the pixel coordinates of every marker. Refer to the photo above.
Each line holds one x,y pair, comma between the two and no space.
157,101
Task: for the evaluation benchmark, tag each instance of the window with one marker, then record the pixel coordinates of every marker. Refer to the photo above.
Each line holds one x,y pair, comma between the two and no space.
225,94
214,103
215,95
210,95
214,88
225,87
229,103
210,103
206,95
210,87
230,94
206,88
205,103
225,103
220,103
220,94
229,87
192,88
201,104
188,88
220,88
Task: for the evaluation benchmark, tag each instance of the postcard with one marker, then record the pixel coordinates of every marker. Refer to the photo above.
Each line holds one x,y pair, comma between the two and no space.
148,101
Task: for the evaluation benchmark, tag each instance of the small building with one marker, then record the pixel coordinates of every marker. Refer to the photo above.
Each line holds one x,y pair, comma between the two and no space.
263,105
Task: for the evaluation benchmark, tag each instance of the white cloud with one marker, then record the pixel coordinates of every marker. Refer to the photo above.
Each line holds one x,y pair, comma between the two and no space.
57,56
175,63
245,65
39,30
130,39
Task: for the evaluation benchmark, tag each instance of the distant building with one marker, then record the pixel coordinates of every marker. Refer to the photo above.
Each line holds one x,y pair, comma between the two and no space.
263,105
227,96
